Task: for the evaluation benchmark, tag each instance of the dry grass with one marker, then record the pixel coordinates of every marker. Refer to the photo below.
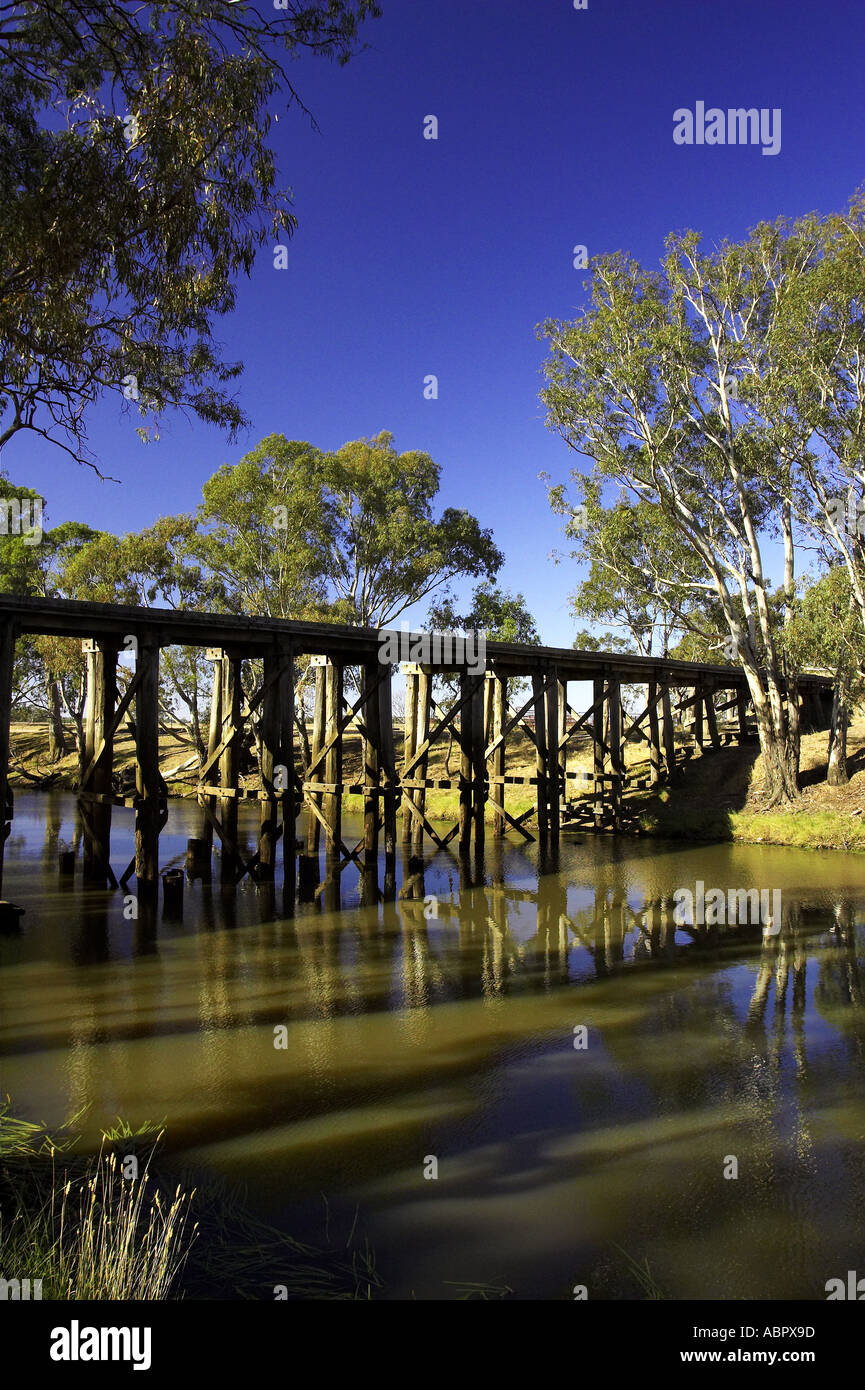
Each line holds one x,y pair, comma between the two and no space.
98,1235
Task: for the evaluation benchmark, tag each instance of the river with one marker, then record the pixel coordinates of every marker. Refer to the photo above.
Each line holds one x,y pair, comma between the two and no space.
532,1082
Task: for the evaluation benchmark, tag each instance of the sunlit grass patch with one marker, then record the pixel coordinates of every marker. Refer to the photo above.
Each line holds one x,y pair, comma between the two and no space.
94,1234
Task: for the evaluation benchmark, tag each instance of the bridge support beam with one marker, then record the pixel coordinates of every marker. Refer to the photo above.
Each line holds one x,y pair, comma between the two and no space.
389,782
669,733
229,766
712,718
541,760
313,799
209,803
479,766
598,751
466,741
372,794
422,728
697,707
555,750
654,736
277,814
498,705
333,760
617,761
148,781
97,786
410,746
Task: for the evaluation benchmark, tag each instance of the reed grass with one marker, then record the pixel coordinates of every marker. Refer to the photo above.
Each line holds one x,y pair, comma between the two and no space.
95,1234
88,1232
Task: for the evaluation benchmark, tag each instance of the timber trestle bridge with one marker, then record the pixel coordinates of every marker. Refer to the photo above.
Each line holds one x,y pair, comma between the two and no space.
521,688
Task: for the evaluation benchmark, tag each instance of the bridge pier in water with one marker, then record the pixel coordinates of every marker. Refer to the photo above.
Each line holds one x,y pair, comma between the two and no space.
523,688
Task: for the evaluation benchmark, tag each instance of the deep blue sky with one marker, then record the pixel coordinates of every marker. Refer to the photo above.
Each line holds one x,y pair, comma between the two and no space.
416,257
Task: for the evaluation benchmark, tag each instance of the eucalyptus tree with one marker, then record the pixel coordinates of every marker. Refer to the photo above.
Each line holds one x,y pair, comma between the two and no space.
137,182
48,671
803,377
348,536
816,388
264,528
387,550
644,385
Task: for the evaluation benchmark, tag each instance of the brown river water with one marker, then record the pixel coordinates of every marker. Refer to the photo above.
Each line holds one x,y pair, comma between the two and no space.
416,1041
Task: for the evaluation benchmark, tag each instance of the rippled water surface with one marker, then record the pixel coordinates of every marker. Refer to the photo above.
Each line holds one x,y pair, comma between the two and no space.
413,1037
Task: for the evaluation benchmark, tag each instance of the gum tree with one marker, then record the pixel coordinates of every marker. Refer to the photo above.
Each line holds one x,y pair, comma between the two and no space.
644,385
137,182
353,536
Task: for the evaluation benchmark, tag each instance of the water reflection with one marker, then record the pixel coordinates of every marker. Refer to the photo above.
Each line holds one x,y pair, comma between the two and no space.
435,1014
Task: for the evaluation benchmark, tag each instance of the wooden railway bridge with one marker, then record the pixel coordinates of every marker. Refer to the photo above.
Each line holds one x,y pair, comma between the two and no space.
482,716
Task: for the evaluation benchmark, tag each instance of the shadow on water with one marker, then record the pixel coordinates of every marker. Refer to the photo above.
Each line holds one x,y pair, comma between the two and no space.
530,1070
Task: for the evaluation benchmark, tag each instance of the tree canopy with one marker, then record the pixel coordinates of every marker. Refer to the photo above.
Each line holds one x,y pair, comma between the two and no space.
136,184
726,390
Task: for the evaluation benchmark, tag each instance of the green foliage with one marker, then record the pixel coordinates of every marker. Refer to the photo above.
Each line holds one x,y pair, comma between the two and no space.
262,566
726,390
136,184
387,550
292,531
641,576
825,631
498,612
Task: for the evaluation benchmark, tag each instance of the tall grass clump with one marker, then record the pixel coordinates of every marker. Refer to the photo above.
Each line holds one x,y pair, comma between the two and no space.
95,1234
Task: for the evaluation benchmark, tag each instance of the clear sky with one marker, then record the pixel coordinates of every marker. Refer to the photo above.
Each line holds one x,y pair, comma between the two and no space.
415,256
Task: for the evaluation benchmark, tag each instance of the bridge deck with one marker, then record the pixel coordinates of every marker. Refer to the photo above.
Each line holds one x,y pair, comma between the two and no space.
350,645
